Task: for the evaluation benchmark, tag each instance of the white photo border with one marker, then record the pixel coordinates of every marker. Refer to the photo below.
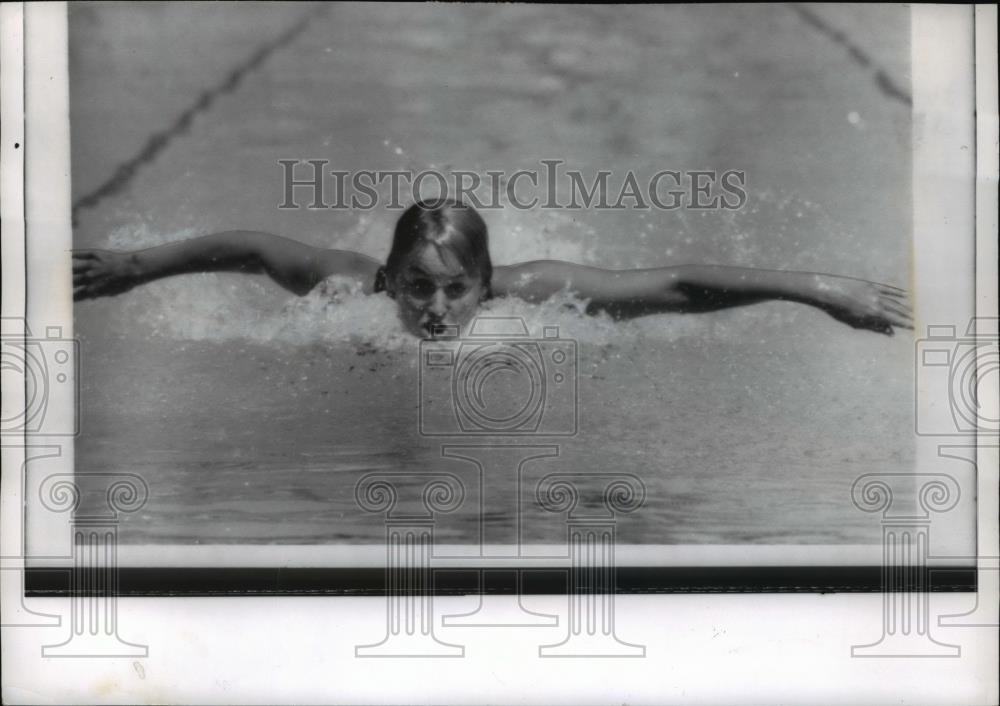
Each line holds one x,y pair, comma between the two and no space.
704,648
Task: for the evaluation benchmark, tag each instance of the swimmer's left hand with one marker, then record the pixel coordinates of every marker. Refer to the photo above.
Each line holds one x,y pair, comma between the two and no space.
866,305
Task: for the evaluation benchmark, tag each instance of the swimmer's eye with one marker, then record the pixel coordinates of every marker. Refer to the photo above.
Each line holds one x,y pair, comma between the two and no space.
422,288
425,288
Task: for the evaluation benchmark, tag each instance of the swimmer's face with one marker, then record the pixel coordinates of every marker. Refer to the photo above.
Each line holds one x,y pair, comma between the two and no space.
432,290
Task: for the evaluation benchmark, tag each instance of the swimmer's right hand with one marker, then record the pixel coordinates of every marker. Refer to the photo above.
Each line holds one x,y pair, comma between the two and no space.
103,273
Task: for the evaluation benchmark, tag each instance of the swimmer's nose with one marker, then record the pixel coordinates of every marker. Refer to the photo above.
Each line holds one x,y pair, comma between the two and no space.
438,305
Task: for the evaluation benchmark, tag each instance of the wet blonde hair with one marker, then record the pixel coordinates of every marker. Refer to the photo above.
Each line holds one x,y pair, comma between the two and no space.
451,227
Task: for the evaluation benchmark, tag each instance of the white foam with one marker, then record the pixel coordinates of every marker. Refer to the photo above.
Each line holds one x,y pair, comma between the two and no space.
219,307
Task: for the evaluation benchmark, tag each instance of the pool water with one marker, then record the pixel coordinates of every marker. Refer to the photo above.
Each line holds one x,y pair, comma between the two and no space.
252,413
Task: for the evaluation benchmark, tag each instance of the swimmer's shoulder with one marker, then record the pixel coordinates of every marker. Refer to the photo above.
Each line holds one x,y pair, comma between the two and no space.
507,277
346,263
527,280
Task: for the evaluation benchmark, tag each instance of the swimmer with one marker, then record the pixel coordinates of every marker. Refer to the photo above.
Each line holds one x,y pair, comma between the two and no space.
439,271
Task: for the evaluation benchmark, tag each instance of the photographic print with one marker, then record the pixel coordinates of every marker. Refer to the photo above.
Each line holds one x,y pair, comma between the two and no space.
484,319
714,243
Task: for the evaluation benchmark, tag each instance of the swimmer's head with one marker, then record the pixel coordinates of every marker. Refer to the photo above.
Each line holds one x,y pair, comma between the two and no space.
439,268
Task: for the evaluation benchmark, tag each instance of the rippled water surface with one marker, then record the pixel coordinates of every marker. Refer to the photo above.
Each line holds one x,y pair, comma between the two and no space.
252,413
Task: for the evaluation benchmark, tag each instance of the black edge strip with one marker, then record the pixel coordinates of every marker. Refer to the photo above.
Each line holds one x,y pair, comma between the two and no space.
40,582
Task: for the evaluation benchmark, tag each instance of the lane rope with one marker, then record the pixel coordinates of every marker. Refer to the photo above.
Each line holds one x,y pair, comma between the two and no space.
160,140
882,78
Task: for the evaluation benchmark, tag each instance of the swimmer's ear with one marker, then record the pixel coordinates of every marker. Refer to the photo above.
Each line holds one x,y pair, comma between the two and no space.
382,282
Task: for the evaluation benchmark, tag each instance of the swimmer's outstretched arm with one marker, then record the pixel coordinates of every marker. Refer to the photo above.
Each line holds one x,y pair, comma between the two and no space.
295,266
697,288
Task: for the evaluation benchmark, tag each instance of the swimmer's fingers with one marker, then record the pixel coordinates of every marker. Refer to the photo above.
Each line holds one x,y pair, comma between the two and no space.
897,319
83,292
890,291
899,315
95,290
901,323
82,266
86,263
86,274
86,269
82,276
886,325
897,307
871,306
91,285
896,313
101,273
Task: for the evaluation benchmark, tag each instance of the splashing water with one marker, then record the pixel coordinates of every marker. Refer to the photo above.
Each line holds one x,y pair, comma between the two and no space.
225,306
